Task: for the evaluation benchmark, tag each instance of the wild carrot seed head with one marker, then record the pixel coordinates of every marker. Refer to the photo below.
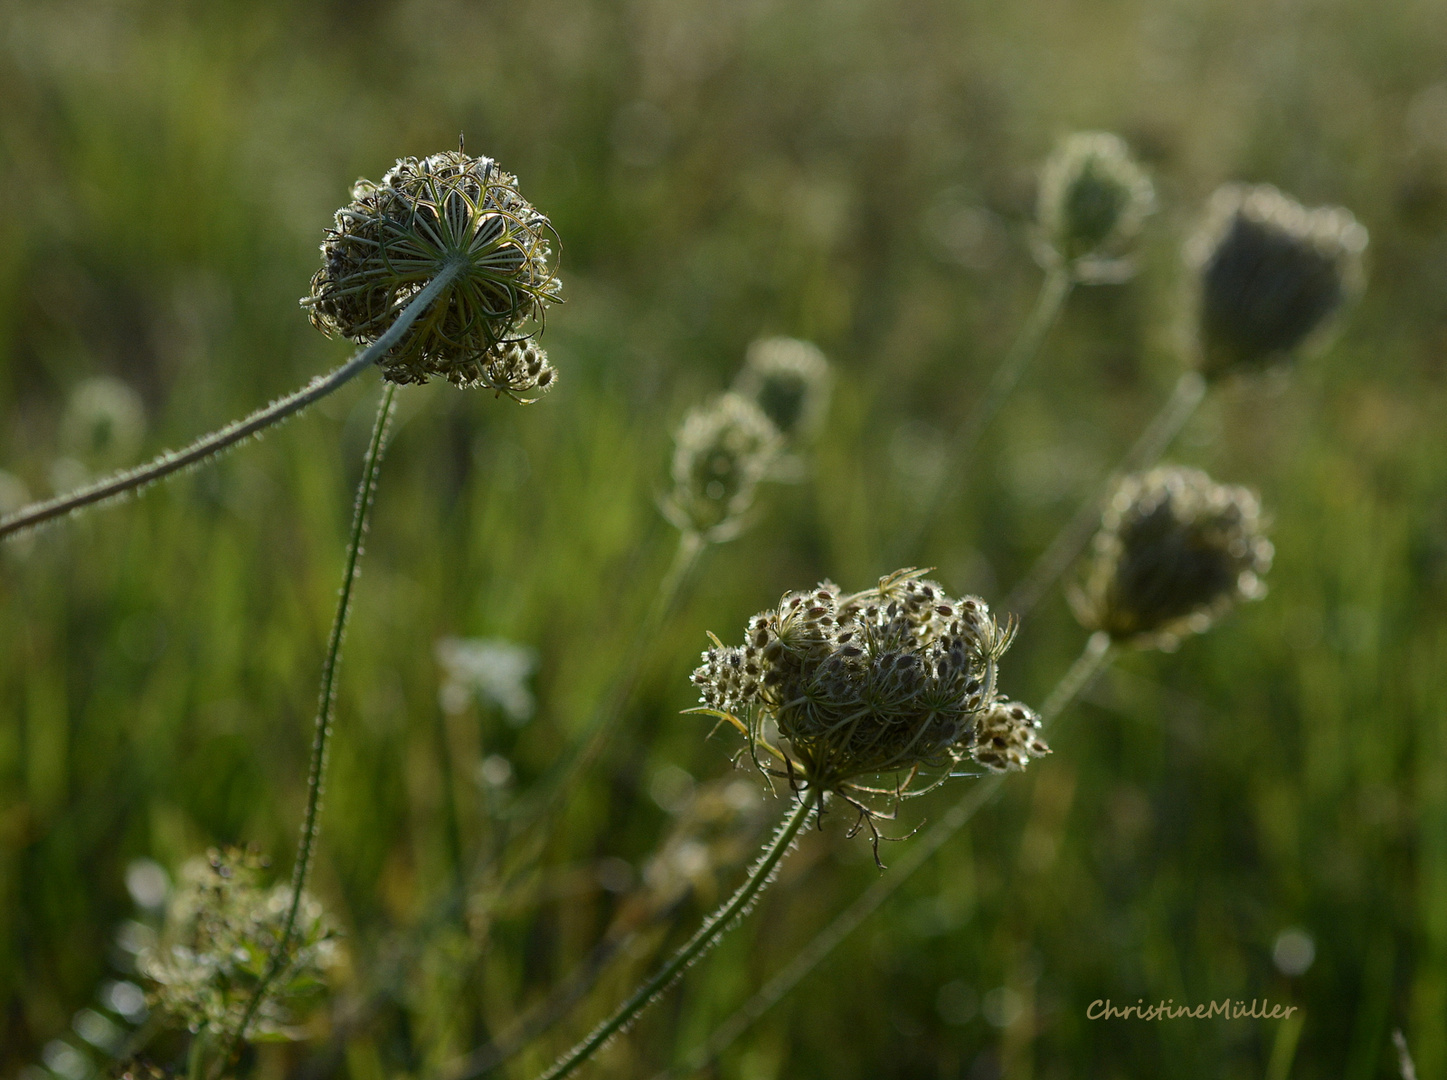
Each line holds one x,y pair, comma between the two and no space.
721,453
789,380
1270,275
1175,551
395,236
892,679
221,928
1094,197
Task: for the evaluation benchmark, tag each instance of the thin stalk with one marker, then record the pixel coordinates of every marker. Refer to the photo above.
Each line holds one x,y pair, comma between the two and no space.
171,461
1097,652
535,809
559,1002
1070,541
326,705
708,935
1055,290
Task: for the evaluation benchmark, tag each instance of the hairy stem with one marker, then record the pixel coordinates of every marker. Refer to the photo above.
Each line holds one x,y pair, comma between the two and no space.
366,491
1070,541
1097,652
1049,303
535,809
708,935
122,483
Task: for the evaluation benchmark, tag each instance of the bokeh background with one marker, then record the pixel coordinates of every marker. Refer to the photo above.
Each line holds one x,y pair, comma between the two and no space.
1261,814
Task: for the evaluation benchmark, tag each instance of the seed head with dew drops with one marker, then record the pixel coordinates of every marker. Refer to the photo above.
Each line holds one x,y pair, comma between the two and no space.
1094,198
1270,274
896,680
1175,551
396,235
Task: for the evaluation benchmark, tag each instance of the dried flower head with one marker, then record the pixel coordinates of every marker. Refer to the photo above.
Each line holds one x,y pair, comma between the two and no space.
1094,198
893,679
221,928
1007,736
396,235
1174,552
1270,274
721,452
789,380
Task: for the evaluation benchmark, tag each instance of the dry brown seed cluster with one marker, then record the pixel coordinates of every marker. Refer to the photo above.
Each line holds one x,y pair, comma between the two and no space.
721,453
891,679
1094,198
397,235
1271,273
1174,552
1007,736
221,929
789,380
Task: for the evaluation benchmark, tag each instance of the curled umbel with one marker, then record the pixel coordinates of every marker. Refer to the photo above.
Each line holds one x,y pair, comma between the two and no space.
448,210
898,678
1175,551
1271,274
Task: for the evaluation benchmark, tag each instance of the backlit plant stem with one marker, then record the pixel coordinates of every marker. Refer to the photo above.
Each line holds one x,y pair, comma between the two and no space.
1049,303
1098,652
122,483
708,935
1189,391
366,492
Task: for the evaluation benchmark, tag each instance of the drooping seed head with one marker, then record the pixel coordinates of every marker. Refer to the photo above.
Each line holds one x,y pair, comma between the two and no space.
1270,275
891,679
1175,551
1007,736
721,452
1094,197
221,928
790,381
395,236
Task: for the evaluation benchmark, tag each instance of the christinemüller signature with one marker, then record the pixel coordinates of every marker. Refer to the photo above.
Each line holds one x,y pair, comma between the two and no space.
1225,1009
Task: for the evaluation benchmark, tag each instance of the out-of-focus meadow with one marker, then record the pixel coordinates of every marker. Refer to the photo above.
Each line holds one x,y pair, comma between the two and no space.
1262,813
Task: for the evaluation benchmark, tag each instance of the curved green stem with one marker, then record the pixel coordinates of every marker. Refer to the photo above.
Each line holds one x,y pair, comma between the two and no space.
708,935
535,809
366,491
1097,652
1049,303
1070,541
122,483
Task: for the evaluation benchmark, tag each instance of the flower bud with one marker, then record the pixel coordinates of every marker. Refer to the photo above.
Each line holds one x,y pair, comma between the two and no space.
1094,198
721,452
1271,274
891,679
396,235
789,380
1174,552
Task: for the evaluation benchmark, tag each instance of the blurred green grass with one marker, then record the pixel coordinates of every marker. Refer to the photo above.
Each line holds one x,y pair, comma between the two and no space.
856,173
